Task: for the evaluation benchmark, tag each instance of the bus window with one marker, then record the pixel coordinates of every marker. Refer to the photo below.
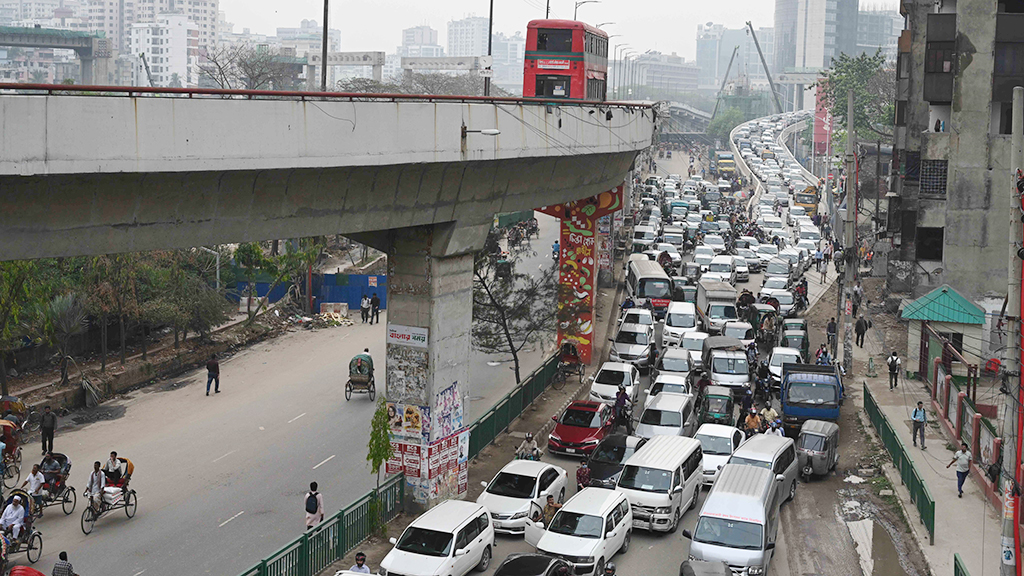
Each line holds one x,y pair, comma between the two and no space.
554,41
553,86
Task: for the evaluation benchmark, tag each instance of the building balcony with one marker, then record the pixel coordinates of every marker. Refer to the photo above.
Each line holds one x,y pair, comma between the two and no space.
938,86
941,27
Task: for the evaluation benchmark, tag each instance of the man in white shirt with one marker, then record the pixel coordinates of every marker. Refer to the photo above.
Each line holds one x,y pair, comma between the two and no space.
112,468
97,482
13,517
35,482
962,459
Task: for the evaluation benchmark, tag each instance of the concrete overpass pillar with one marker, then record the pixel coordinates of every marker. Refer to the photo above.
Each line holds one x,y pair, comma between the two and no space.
87,69
430,314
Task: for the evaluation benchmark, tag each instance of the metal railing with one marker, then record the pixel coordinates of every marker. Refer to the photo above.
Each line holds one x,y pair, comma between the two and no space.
496,420
336,536
959,569
911,478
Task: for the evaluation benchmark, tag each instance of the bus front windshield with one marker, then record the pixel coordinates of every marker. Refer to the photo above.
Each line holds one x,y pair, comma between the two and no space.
654,288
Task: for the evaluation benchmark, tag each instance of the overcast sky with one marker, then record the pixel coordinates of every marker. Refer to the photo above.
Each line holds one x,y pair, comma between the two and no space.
664,25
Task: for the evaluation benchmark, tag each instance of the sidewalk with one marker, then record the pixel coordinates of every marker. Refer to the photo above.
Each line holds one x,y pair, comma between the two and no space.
968,526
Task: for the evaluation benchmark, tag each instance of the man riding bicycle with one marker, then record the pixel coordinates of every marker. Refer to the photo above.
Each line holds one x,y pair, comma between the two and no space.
830,332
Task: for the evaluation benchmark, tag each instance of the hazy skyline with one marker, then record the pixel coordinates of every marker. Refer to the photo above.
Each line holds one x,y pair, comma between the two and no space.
643,24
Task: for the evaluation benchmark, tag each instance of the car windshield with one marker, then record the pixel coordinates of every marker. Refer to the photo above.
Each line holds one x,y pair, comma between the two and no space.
646,479
674,239
767,249
729,366
714,445
775,283
703,251
811,393
512,485
608,453
804,198
721,267
728,533
675,364
575,524
678,320
654,288
693,343
778,268
779,359
746,253
740,332
670,387
427,542
637,318
783,297
612,377
654,417
750,462
714,240
716,405
719,311
812,442
581,418
626,337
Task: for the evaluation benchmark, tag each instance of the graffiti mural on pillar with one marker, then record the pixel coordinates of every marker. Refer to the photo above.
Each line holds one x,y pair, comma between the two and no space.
577,265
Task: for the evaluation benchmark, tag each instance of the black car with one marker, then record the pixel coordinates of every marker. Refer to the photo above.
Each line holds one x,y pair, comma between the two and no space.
533,565
608,458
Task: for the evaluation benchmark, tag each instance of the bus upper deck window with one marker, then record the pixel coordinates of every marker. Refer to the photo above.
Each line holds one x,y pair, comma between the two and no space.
554,40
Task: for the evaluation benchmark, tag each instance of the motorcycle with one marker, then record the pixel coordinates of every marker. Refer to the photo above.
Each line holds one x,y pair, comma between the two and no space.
625,418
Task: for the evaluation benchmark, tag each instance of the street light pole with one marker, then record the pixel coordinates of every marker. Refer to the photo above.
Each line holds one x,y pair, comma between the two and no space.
490,34
581,3
323,52
618,67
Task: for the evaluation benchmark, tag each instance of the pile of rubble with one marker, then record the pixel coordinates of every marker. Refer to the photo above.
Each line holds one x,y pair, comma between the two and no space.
327,320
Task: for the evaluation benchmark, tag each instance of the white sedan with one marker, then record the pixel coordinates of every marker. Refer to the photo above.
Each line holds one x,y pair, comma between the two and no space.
519,490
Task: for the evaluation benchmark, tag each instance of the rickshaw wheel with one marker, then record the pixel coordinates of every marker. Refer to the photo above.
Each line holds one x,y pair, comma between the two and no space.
580,370
17,456
11,475
69,498
88,519
131,503
372,391
35,544
348,391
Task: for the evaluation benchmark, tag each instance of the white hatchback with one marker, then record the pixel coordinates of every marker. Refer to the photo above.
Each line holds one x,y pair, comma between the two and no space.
450,539
588,531
718,442
519,491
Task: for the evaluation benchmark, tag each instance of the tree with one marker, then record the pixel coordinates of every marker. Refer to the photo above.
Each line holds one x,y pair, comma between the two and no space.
56,322
291,266
379,451
724,122
874,93
175,81
433,83
510,313
37,77
245,66
16,288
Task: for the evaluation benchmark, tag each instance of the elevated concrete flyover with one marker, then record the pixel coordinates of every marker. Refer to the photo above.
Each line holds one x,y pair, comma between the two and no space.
104,170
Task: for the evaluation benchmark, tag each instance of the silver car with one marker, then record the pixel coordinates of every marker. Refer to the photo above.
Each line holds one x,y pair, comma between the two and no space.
633,344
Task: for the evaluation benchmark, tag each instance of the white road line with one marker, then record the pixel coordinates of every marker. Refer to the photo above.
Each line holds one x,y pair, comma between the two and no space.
140,572
230,519
226,455
297,417
326,460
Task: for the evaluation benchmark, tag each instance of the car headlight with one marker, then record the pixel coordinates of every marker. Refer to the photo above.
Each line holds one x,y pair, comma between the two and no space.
518,515
550,437
662,510
594,441
585,559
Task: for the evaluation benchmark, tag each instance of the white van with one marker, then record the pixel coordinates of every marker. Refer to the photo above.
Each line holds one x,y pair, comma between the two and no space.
739,520
450,539
667,415
809,233
594,525
680,319
724,265
662,481
647,280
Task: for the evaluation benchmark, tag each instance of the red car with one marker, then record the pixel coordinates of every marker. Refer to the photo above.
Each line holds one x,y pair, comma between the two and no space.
580,428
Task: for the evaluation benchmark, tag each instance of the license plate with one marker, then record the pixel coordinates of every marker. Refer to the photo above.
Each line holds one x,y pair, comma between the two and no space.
639,523
570,450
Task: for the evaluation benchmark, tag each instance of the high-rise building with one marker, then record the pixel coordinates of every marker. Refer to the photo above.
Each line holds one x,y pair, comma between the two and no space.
114,18
171,47
420,42
665,73
708,36
509,53
715,45
951,180
31,9
467,37
810,33
879,30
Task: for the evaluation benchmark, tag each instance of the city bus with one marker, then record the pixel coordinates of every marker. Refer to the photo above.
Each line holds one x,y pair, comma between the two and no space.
565,59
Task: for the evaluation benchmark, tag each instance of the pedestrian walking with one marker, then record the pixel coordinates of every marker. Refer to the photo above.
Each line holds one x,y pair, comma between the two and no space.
314,506
364,308
962,459
63,567
360,565
919,417
858,296
47,425
213,375
894,363
375,309
861,328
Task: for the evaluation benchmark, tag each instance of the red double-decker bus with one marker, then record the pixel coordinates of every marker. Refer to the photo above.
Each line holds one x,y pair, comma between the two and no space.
565,59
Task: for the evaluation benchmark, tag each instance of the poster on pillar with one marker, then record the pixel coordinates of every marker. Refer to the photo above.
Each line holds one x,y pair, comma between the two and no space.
577,265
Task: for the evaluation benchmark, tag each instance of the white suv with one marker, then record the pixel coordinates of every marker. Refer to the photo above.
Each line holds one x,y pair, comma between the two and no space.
680,318
450,539
590,529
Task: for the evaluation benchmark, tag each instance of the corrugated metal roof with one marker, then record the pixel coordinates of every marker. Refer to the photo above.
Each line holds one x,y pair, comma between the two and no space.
944,304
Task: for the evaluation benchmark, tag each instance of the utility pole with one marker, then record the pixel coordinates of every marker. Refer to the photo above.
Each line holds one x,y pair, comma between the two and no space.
878,187
547,11
323,52
850,262
490,35
1010,540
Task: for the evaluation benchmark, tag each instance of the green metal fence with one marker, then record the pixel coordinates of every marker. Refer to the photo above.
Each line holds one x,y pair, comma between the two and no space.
496,420
919,493
336,536
959,569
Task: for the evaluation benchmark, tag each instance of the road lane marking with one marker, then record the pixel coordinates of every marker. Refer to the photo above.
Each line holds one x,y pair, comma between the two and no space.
226,455
140,572
297,417
230,519
326,460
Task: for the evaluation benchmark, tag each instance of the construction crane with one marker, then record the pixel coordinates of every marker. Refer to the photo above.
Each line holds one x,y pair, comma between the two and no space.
146,66
724,79
771,84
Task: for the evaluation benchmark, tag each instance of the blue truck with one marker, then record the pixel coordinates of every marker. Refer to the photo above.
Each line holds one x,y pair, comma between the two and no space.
810,392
